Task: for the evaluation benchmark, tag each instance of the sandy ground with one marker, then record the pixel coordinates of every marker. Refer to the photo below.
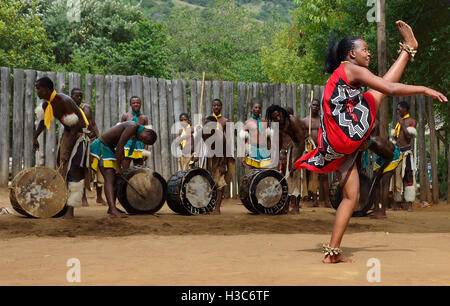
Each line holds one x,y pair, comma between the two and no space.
233,249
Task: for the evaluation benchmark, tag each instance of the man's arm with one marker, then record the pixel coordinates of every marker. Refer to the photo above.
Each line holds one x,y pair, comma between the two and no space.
92,125
126,135
39,130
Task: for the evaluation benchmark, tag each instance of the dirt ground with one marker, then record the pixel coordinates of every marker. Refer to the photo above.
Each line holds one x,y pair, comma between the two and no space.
235,248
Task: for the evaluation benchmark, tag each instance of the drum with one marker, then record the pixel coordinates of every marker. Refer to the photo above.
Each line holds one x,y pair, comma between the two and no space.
141,190
365,200
39,192
264,191
191,192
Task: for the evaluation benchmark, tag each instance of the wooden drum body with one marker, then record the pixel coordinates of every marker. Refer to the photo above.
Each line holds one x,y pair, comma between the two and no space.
141,190
264,191
191,192
39,192
365,199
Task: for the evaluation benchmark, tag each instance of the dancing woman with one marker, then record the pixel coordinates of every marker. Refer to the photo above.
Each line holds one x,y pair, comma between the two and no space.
348,116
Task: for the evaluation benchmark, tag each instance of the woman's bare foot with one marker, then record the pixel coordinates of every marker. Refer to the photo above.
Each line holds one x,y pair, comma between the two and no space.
407,34
336,259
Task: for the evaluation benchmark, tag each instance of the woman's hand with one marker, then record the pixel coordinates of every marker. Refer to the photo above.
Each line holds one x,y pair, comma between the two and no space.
436,95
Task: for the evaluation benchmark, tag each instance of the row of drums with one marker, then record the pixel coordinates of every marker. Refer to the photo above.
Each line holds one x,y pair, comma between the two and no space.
41,192
193,191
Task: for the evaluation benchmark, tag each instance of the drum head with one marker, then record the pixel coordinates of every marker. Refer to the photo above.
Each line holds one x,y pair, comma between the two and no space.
144,193
268,192
365,202
199,192
39,192
192,192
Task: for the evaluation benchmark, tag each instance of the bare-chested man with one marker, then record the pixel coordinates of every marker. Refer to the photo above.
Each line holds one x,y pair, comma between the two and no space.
77,96
289,126
404,132
219,166
138,153
108,154
72,159
311,180
258,140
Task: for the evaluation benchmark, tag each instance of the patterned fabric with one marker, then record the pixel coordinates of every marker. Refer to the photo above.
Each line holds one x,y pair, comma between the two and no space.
102,155
379,161
347,117
134,148
258,157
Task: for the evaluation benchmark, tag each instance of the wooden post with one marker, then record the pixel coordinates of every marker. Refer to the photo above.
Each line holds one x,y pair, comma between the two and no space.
18,112
382,60
114,115
433,152
184,95
29,119
423,171
240,118
265,99
61,88
170,124
147,105
302,100
207,102
99,97
448,156
194,103
51,146
122,96
5,98
107,103
40,154
88,81
283,100
163,117
155,122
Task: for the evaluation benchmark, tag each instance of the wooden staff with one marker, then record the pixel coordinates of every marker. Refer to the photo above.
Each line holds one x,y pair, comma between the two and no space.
202,157
309,132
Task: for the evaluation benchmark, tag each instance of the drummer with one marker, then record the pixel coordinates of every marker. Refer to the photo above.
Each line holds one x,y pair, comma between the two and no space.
108,154
258,140
292,141
140,152
218,165
73,146
77,96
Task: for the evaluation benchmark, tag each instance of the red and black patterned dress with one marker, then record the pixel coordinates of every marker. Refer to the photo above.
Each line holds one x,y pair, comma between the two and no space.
347,117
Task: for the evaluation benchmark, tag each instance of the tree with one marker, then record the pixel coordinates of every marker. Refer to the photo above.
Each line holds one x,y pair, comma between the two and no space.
105,36
24,43
224,41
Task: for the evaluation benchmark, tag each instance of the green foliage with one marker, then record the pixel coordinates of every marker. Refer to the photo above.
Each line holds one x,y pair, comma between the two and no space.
111,37
263,10
224,41
23,43
302,46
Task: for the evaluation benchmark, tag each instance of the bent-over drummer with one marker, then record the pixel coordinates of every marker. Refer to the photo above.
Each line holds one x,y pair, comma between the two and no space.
108,153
